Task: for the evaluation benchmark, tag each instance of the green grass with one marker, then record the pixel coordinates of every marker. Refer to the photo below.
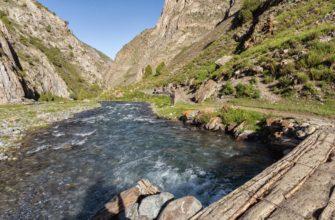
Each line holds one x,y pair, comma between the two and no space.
326,108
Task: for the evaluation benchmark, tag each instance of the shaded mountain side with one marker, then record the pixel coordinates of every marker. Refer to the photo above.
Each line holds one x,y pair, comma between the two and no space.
49,60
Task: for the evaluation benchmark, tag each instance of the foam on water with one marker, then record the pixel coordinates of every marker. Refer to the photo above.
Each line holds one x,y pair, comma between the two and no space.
71,169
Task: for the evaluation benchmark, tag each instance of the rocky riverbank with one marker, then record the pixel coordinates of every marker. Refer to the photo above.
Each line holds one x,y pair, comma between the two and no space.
17,120
281,134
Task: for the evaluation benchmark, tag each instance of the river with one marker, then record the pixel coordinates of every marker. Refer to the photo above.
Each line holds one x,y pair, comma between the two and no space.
69,170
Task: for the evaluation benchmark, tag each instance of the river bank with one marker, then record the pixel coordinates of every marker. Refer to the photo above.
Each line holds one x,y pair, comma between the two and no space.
17,120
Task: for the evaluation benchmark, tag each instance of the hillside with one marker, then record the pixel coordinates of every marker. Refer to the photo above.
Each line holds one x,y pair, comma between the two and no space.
182,23
42,59
273,50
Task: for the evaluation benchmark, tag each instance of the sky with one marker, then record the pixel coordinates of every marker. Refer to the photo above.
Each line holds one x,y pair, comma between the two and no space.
107,25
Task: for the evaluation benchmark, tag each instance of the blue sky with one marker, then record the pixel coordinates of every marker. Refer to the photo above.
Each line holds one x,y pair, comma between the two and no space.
107,24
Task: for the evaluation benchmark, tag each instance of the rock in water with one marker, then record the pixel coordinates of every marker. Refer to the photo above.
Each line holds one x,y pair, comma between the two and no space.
181,209
132,212
126,199
151,205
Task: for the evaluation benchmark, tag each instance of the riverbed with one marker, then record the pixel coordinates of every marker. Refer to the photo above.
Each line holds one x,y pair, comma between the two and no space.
70,169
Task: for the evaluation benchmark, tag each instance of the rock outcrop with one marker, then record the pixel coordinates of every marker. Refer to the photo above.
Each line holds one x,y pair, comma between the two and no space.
40,55
182,23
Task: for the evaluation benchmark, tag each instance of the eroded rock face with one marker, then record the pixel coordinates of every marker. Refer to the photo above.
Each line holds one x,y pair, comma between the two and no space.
11,89
182,23
37,39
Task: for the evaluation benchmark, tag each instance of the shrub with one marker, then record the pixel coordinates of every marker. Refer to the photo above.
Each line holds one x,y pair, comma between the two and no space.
302,77
268,79
48,28
148,71
248,90
227,89
248,9
161,69
309,87
49,97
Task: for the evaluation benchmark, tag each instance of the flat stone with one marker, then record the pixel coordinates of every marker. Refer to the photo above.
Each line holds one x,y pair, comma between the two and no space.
214,124
181,209
152,205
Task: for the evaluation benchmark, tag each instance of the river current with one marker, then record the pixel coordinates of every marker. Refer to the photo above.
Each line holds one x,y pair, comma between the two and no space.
69,170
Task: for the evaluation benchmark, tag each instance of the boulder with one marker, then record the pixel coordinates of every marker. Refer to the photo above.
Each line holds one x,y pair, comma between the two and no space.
301,134
179,95
151,205
126,199
245,135
131,212
310,129
206,91
215,124
239,129
230,128
223,60
181,209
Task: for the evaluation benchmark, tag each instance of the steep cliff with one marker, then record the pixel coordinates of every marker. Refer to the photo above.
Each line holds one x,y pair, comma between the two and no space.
183,22
41,57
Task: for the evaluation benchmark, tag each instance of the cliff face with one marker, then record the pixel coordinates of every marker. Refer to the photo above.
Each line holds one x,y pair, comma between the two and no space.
40,55
183,22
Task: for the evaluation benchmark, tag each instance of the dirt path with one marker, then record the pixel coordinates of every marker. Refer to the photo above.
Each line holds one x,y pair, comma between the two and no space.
308,117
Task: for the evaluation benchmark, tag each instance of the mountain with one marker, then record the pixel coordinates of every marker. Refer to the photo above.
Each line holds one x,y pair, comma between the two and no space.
41,58
181,24
269,49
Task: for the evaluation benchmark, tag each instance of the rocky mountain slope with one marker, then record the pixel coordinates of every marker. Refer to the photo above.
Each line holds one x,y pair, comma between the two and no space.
41,58
182,23
269,49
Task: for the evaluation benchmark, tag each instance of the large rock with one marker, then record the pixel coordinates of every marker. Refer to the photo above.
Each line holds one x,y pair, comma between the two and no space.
127,199
181,209
132,212
215,124
206,91
151,205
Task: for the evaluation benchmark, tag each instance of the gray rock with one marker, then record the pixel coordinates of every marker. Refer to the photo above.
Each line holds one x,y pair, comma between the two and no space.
301,134
310,130
206,91
132,212
181,209
215,124
152,205
223,60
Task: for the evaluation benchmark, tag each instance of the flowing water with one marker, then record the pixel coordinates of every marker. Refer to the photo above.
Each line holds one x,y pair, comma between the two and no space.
68,171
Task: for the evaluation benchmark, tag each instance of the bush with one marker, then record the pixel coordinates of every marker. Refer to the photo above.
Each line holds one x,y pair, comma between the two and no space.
49,97
248,91
148,71
268,79
248,9
309,87
302,77
49,29
161,69
227,89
